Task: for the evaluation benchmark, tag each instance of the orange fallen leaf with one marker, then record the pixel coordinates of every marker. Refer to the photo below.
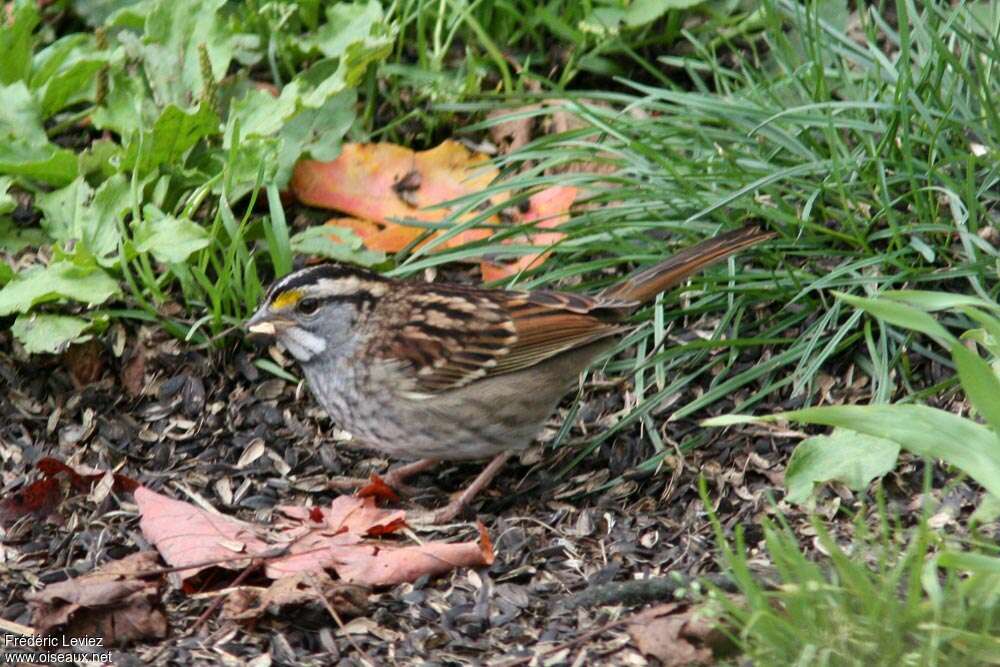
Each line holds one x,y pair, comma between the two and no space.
381,185
385,183
549,209
301,540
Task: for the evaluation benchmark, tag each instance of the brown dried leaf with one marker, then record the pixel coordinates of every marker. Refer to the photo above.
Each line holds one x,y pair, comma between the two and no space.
85,362
252,602
109,602
133,373
511,134
673,633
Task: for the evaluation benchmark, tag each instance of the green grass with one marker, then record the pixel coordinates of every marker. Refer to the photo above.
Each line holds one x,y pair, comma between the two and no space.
863,162
890,595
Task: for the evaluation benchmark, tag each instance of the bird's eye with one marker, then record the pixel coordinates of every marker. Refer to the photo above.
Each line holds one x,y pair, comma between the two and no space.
308,306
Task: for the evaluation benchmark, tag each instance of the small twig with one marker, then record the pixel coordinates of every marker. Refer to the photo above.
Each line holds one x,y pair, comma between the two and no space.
641,591
217,602
336,618
277,552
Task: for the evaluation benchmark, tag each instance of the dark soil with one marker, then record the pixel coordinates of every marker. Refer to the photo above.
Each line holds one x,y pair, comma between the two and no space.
565,545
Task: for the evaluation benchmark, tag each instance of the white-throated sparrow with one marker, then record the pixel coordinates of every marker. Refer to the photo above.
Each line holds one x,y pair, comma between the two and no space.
445,372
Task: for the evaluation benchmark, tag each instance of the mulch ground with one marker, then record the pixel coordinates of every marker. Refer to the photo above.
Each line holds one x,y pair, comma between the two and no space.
210,425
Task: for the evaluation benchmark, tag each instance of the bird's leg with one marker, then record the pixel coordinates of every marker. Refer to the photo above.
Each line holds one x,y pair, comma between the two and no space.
394,479
455,507
396,476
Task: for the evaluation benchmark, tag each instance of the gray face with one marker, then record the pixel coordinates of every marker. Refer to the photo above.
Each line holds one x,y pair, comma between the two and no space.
314,311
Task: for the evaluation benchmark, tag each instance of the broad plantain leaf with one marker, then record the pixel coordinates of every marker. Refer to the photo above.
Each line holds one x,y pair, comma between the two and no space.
170,239
59,280
846,456
45,332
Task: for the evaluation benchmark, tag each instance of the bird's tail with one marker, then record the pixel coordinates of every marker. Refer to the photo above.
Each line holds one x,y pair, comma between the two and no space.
645,284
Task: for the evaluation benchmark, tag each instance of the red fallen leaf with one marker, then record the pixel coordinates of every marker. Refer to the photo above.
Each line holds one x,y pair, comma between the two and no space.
315,514
82,483
110,603
188,536
42,497
377,488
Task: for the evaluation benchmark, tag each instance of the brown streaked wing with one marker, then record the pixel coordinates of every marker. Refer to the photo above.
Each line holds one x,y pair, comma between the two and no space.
451,336
548,323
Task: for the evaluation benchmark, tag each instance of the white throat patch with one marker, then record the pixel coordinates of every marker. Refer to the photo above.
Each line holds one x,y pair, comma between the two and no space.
301,344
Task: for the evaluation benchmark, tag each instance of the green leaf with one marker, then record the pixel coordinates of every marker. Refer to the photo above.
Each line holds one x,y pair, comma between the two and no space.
77,212
641,12
96,12
7,203
259,113
56,55
13,239
45,332
316,133
16,41
970,447
70,86
174,32
59,280
101,160
846,456
933,301
6,273
128,108
169,239
258,156
175,132
603,21
25,150
46,163
980,383
346,24
317,241
902,315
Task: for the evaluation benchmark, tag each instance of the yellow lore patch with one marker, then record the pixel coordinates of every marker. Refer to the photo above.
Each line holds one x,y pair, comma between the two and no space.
287,299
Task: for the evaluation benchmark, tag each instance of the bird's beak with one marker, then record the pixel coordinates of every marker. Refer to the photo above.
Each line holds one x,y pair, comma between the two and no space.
264,327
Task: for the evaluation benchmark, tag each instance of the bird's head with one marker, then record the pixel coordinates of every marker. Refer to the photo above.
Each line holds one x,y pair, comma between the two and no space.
315,310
